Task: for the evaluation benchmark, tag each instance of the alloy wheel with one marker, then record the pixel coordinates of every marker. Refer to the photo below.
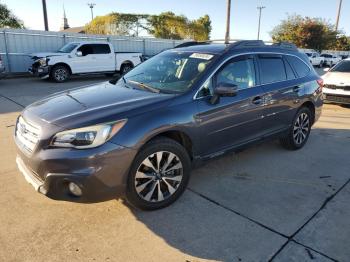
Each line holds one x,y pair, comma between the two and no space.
61,74
301,128
158,176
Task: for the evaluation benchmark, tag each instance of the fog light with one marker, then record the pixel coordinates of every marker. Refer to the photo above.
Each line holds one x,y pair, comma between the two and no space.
74,189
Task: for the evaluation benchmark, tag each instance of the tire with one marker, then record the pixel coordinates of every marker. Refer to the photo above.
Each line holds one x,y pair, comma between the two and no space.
145,179
299,131
60,73
320,64
126,68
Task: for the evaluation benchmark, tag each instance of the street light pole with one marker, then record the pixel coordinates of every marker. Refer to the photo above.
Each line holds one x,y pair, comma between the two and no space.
45,16
91,5
228,18
260,8
338,15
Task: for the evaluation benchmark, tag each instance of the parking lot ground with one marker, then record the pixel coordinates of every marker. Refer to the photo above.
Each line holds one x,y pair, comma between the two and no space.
264,203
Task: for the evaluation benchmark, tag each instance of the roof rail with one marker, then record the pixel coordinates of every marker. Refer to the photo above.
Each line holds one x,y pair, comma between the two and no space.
191,43
260,43
234,44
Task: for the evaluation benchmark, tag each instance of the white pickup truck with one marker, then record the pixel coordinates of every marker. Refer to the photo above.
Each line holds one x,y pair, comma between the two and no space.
315,59
83,58
330,60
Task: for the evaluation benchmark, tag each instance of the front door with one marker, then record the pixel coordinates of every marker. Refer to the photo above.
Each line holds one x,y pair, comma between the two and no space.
232,120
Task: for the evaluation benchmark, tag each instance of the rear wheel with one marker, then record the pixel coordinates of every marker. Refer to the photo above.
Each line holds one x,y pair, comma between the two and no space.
158,175
125,68
299,131
60,73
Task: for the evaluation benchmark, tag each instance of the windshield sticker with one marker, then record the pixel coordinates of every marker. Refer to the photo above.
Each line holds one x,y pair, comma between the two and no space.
201,56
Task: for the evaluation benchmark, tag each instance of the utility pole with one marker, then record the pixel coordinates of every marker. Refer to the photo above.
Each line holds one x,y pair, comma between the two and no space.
228,18
260,8
45,16
91,5
338,15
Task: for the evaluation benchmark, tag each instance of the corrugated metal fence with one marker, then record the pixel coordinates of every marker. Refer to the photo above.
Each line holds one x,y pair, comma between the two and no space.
17,44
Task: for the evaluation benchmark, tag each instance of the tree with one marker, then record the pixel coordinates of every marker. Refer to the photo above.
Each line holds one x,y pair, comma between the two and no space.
165,25
342,43
8,19
306,32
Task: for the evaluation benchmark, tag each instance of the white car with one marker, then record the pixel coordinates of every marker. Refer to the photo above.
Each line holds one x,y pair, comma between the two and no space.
315,59
336,83
330,60
83,58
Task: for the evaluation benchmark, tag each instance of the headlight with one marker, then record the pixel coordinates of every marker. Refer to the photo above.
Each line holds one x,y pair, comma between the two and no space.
43,61
87,137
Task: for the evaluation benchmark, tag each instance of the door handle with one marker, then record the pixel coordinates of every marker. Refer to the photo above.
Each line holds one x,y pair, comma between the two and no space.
296,89
257,100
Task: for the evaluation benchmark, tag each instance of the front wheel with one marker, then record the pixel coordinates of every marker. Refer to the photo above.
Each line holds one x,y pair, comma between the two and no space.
60,73
299,131
158,175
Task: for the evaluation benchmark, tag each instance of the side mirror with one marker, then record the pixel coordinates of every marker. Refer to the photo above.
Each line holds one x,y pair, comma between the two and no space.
79,53
223,89
326,69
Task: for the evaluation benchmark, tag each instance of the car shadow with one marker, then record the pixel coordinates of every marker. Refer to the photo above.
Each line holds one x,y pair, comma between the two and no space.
203,225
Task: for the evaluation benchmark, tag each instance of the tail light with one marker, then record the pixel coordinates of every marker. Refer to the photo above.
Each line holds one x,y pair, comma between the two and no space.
320,85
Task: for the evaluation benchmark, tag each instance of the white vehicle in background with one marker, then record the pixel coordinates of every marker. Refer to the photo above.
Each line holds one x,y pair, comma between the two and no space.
336,83
315,59
83,58
330,60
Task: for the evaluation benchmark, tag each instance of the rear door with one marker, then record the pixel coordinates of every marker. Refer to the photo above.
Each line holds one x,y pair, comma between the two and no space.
233,120
279,86
104,59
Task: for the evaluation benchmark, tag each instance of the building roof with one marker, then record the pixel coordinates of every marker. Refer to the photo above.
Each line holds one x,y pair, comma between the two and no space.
78,29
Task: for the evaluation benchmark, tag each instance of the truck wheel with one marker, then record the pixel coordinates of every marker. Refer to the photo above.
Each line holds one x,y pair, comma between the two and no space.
299,131
159,174
320,64
125,68
60,73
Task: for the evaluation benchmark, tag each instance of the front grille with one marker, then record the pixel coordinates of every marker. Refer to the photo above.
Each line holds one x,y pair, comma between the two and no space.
346,88
27,135
337,98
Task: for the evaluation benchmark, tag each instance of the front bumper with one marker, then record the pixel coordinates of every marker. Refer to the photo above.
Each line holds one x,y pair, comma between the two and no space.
338,95
39,71
101,173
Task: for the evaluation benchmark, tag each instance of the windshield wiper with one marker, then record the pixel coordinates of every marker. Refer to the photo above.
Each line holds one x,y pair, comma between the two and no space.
144,86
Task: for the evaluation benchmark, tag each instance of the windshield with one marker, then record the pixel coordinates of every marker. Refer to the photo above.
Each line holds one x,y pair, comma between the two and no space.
343,66
308,54
169,72
67,48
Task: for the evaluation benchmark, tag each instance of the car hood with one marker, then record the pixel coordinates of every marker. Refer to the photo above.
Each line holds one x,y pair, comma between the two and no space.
94,104
336,78
44,54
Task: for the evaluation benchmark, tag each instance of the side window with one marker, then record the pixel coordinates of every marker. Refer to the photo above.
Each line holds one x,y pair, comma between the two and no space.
299,66
101,49
238,72
272,69
289,70
86,50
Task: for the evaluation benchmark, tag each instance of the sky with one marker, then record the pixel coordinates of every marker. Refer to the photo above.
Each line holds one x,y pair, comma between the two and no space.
244,14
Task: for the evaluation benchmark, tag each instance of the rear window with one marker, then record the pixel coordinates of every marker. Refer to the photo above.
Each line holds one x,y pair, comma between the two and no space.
272,69
299,66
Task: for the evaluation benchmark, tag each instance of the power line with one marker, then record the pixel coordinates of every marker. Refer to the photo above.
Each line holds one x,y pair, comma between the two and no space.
91,5
260,8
